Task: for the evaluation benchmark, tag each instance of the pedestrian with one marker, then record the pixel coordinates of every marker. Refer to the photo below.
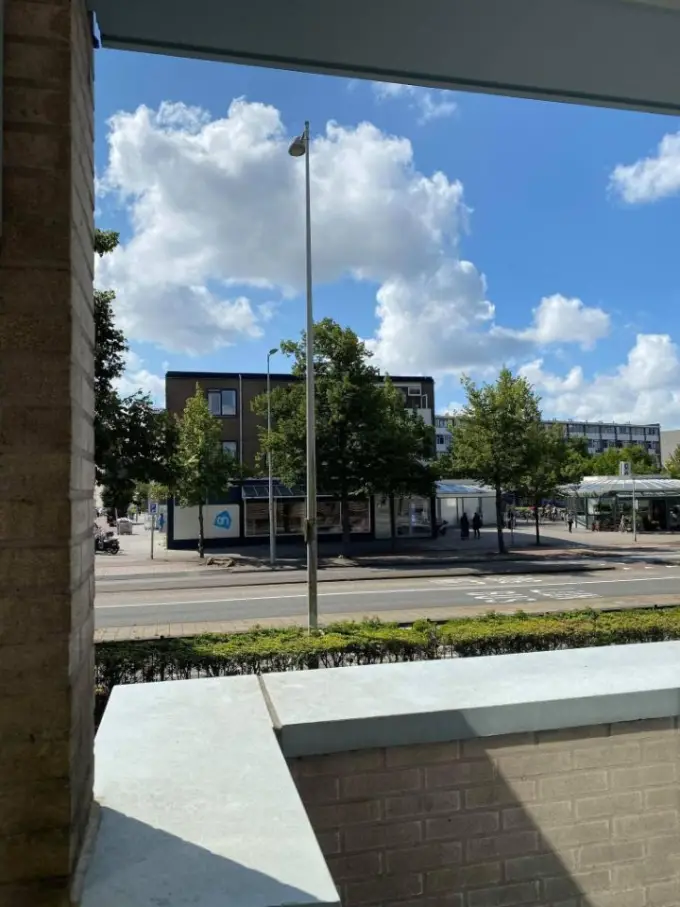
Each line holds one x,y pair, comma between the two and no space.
476,525
464,527
570,521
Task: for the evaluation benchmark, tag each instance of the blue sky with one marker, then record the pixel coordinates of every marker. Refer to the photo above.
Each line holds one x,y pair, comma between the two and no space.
532,200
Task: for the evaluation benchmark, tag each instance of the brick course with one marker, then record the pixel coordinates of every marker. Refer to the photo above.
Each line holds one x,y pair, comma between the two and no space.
46,450
587,817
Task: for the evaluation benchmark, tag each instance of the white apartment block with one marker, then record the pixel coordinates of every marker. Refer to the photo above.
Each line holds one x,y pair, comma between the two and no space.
599,435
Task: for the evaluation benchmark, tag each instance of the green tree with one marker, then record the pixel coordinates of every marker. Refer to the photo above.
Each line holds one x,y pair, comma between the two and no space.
549,457
134,440
404,453
203,468
607,462
155,492
578,461
362,431
490,441
109,361
673,464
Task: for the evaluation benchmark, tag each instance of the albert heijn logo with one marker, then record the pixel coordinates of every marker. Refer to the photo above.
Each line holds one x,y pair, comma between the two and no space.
223,520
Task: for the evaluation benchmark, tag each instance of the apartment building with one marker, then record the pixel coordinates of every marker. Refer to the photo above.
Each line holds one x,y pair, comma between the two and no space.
443,433
599,435
230,396
603,435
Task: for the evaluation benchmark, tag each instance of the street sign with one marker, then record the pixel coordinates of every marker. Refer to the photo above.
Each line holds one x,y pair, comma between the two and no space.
153,507
625,470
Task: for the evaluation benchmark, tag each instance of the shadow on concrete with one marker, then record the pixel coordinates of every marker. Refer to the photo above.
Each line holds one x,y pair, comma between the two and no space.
134,863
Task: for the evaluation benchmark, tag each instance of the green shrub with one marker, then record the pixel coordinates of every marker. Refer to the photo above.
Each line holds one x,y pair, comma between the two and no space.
261,651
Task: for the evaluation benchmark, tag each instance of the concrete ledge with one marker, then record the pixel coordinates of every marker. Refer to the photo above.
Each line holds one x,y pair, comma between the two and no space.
197,805
429,702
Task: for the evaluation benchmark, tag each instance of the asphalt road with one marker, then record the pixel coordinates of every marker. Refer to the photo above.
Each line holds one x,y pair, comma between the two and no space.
206,603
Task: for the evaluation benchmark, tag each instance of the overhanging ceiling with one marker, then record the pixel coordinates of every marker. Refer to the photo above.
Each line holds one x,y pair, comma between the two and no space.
613,53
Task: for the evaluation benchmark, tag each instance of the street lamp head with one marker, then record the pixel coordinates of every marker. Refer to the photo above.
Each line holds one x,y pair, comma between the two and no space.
272,352
298,147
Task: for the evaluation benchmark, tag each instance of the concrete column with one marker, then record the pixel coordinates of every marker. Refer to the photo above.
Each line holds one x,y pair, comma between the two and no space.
46,450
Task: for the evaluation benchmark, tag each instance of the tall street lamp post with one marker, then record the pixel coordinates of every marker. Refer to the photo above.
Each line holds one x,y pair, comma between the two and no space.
270,467
300,148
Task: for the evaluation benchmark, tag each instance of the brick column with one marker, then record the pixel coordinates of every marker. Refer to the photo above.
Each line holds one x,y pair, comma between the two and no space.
46,450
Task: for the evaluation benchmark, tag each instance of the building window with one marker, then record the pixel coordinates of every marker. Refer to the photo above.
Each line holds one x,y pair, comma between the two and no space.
222,403
441,440
230,447
290,517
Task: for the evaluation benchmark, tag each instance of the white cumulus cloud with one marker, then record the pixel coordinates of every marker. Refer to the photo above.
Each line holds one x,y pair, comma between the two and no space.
558,319
429,103
646,388
216,211
653,177
138,378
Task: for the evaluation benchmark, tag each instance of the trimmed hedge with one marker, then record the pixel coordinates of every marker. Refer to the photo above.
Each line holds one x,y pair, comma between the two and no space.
372,642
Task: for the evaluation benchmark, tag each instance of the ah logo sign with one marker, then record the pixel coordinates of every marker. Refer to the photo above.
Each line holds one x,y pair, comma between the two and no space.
223,520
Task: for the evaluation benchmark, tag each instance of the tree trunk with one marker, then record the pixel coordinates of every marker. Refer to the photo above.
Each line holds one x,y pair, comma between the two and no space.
201,536
538,531
393,523
499,519
344,517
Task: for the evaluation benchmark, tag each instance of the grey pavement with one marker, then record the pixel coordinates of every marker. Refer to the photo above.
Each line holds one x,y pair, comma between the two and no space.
123,613
366,562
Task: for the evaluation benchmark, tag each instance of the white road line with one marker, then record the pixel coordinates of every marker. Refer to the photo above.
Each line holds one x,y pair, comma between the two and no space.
371,592
260,598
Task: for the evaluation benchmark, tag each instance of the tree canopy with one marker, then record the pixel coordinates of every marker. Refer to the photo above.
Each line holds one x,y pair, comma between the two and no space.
134,440
672,464
607,462
366,440
203,468
491,437
551,461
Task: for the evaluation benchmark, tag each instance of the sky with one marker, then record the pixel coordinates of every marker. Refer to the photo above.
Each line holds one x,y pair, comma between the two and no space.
454,232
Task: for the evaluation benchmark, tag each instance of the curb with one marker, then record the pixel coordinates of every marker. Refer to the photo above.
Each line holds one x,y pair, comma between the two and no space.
253,578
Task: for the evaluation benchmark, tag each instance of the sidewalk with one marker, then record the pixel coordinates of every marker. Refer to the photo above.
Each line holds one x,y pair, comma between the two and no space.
558,547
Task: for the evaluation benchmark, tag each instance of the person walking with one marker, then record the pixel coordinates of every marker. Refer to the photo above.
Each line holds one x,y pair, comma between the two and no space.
570,521
464,527
476,525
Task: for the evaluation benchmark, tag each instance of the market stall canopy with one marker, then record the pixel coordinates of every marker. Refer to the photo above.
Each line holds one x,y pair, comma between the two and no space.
643,486
462,490
612,53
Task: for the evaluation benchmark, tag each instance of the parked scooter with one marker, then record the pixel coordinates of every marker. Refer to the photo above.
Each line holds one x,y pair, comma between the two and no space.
106,542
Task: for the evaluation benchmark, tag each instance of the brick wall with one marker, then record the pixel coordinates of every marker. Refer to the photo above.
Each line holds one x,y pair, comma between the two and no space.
46,450
580,818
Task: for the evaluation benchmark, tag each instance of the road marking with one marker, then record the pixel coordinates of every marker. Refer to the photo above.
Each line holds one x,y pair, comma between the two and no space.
502,598
521,580
510,597
372,591
260,598
458,581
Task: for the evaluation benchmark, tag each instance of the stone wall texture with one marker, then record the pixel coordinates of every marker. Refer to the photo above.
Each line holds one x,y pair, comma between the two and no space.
579,818
46,449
